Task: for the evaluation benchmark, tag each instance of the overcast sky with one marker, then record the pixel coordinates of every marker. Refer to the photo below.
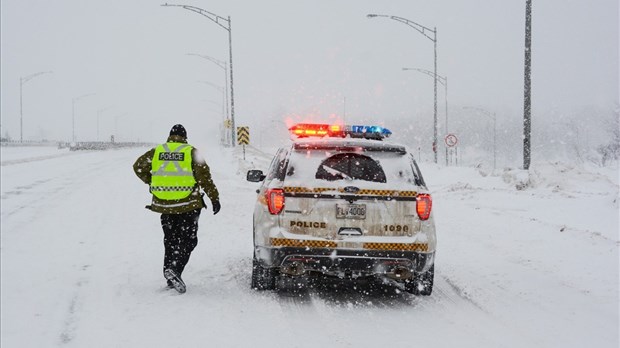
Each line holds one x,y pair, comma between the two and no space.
294,60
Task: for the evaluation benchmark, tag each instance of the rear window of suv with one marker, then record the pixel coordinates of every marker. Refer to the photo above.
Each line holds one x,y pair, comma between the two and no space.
350,166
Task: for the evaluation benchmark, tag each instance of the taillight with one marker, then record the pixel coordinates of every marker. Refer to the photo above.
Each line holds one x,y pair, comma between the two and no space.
275,200
424,204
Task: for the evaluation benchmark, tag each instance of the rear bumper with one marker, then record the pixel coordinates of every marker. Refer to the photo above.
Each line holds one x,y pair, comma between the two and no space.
349,263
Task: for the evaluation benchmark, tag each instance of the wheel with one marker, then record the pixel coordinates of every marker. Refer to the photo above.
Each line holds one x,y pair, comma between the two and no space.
262,278
422,283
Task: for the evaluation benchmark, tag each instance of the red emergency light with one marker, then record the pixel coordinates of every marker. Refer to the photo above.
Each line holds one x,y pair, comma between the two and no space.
316,130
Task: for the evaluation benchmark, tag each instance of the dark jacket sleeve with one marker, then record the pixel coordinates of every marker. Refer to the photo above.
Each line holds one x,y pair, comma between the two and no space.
142,167
202,174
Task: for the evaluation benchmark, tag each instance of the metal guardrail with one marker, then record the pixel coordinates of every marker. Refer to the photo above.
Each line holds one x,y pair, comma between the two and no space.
101,145
27,143
82,145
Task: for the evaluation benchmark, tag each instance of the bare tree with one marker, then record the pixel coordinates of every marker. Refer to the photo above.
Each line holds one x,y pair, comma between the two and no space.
611,150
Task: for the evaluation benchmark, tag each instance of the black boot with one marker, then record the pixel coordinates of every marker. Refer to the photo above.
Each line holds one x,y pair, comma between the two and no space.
174,279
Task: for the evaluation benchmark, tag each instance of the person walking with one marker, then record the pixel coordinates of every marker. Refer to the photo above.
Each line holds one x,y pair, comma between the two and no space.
175,173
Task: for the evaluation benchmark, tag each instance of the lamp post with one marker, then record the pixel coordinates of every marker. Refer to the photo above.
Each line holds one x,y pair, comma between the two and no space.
73,113
99,112
224,66
116,137
492,116
218,87
22,81
444,81
223,90
226,24
424,31
265,126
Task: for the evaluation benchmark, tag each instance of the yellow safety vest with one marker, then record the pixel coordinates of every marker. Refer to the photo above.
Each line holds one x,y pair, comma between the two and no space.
171,169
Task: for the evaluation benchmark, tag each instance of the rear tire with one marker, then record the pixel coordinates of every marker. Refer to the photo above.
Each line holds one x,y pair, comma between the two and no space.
421,283
262,278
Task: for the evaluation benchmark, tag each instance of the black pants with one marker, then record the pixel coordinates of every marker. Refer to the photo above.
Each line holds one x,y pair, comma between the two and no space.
180,238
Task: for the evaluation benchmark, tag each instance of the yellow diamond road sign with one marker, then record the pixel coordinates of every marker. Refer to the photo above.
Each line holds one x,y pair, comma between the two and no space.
243,135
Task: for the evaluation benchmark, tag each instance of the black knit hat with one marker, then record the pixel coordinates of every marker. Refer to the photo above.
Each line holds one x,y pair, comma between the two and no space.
179,130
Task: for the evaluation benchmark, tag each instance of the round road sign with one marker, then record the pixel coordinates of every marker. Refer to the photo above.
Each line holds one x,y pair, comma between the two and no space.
451,140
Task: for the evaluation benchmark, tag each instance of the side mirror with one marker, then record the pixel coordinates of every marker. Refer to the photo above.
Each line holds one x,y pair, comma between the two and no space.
255,175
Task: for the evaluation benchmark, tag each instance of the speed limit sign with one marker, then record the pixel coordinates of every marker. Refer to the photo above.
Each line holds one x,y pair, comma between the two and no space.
451,140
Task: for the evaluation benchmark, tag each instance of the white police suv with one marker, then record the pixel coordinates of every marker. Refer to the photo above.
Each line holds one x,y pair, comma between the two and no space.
342,203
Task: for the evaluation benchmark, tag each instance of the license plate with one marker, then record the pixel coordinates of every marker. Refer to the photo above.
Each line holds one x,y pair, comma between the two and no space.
351,211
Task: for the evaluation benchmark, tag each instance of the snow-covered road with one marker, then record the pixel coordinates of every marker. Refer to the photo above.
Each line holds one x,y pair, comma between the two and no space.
81,263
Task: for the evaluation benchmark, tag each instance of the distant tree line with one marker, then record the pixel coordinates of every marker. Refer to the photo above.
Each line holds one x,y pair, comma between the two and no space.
611,150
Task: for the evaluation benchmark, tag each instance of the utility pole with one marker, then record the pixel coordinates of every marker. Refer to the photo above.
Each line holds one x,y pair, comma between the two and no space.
527,100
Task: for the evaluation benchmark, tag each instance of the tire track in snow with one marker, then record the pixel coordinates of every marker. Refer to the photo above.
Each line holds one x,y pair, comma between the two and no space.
34,159
45,189
69,326
455,289
47,204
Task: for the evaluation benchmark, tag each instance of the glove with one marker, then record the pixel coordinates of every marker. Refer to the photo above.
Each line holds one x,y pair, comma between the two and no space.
216,206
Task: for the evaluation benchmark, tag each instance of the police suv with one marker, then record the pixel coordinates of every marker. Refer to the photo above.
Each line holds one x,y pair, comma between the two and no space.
342,203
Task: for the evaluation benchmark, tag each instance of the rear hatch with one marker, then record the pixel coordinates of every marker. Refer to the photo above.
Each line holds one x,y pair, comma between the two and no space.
350,196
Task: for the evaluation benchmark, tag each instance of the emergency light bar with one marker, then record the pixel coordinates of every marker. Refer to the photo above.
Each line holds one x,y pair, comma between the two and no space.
302,130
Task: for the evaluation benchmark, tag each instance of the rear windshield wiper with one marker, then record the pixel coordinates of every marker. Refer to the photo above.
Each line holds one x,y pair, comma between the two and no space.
335,172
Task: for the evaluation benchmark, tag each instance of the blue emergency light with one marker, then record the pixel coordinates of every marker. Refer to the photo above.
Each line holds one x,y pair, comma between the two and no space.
369,132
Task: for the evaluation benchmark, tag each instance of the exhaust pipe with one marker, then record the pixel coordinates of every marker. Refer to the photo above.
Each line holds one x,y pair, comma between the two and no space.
399,273
293,269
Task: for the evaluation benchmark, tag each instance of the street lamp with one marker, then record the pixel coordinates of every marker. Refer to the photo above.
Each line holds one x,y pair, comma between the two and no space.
444,81
73,112
424,31
116,137
223,90
218,87
221,21
265,126
224,66
492,116
99,112
221,64
22,81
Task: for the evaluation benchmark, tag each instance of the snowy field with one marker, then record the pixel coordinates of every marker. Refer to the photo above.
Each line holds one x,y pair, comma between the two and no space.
81,263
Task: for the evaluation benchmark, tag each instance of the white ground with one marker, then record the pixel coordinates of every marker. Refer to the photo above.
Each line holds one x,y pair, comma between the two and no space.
81,263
